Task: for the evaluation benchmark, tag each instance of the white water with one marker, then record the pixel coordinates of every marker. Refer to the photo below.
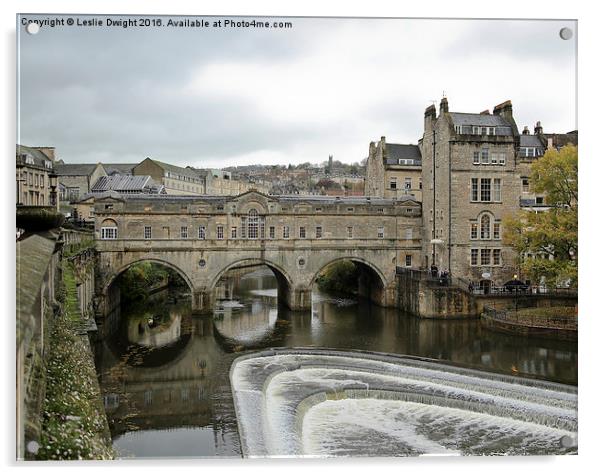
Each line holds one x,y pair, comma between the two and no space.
345,403
374,427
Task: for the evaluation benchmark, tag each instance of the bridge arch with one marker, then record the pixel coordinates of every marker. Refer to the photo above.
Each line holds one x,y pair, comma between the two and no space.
286,285
369,274
116,273
278,270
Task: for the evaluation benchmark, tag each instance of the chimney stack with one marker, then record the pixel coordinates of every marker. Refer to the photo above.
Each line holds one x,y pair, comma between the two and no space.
485,112
443,106
48,151
526,130
504,110
538,128
430,115
430,111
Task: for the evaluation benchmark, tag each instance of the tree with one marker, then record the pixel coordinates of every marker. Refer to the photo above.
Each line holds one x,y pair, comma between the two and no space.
546,243
328,184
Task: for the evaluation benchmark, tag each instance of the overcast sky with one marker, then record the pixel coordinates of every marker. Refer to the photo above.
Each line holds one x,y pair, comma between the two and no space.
220,97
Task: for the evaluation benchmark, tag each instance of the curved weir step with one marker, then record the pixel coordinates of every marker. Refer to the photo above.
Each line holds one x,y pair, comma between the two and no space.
312,402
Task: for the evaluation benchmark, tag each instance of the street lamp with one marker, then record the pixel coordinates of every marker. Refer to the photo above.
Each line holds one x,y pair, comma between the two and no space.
53,182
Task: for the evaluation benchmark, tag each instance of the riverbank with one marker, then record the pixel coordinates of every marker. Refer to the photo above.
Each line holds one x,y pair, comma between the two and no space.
548,322
74,424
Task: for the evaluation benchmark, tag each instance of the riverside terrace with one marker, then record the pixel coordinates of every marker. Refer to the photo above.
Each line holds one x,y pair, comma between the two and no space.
202,237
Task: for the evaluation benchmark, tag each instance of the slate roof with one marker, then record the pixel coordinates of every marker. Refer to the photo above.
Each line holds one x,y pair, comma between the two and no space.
318,199
560,140
357,200
122,183
122,168
200,172
75,169
397,151
490,120
38,156
530,141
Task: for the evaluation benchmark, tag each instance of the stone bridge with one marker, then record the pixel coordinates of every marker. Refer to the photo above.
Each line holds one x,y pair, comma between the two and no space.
297,237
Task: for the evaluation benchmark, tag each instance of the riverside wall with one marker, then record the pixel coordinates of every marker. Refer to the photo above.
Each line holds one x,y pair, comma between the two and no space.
41,298
426,298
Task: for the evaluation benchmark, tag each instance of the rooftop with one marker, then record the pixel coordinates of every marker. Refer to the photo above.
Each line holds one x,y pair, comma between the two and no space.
318,199
488,120
75,169
530,141
397,150
40,159
122,168
174,168
122,183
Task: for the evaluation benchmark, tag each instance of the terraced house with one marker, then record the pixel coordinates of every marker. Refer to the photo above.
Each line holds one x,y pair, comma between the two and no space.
474,170
35,175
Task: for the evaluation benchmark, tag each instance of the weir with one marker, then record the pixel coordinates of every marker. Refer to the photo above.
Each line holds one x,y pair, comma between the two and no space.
307,402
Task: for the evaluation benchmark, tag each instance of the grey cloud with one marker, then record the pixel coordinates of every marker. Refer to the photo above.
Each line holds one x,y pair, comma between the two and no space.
118,95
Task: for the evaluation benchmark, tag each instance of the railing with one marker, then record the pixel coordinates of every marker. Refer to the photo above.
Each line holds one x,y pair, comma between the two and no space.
521,291
450,280
531,318
426,275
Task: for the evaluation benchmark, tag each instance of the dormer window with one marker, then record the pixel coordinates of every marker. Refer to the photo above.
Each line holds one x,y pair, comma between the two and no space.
480,130
530,152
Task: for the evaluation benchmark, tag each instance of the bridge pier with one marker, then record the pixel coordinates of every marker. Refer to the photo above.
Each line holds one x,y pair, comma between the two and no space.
203,301
297,298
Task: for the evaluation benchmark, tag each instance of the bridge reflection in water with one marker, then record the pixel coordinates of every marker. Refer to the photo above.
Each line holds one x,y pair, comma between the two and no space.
166,383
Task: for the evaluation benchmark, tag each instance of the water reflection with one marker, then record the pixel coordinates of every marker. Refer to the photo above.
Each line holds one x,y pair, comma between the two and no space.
166,384
344,323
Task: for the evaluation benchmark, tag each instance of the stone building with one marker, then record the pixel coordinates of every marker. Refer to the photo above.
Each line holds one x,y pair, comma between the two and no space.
35,176
224,183
116,185
393,170
297,237
78,178
531,148
470,183
469,170
176,180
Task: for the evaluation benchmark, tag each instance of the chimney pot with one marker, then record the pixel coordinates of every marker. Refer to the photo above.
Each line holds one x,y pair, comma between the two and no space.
526,130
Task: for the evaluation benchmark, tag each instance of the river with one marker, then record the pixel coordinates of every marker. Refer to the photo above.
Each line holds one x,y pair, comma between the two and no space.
164,374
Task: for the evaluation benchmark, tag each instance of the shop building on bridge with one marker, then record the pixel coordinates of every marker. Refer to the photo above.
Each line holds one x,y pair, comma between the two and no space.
296,236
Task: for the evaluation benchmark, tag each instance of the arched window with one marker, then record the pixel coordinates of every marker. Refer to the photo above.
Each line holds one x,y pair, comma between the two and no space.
253,224
485,227
108,229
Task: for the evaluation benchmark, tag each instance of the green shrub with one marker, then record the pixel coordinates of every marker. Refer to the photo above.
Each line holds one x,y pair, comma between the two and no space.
340,277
